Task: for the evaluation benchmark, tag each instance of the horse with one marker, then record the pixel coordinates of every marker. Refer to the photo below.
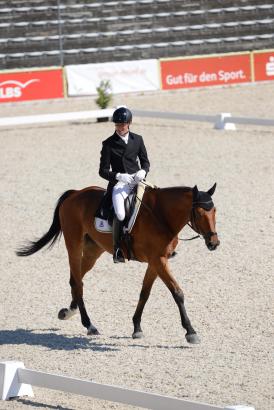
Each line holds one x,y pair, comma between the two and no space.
162,215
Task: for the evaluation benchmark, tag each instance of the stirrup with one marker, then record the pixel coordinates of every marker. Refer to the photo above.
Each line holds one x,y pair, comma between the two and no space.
118,256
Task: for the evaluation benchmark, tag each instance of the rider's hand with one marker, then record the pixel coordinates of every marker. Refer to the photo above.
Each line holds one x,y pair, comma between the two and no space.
140,175
125,178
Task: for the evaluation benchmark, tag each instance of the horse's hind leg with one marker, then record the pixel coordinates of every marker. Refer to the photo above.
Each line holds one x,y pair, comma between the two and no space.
80,262
91,253
148,281
178,295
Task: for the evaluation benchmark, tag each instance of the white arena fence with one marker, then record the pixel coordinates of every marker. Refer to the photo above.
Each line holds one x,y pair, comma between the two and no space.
216,119
16,381
223,121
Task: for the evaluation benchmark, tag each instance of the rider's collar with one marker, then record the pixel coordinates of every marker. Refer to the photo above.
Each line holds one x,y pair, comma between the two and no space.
124,137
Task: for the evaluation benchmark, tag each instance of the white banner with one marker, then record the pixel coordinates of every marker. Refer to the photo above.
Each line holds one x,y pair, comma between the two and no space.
124,77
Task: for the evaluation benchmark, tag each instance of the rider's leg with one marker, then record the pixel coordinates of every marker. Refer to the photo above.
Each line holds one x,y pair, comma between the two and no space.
117,228
119,193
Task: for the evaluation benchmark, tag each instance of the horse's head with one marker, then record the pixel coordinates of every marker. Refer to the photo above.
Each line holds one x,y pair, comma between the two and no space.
203,217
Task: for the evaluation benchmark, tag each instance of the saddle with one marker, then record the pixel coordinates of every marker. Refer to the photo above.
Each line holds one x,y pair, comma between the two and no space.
105,214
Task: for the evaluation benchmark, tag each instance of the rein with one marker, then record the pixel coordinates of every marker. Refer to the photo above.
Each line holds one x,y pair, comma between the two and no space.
192,227
190,239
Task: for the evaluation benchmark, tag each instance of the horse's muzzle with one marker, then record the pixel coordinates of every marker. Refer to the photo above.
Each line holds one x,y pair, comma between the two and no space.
212,241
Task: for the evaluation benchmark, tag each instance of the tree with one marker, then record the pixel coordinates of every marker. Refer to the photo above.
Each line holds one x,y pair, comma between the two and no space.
104,94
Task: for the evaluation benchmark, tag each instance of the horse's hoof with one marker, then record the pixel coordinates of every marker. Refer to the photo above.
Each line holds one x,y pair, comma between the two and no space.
63,314
137,335
92,331
193,338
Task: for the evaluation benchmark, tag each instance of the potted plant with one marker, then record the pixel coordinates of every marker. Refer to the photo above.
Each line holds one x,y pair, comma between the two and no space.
104,97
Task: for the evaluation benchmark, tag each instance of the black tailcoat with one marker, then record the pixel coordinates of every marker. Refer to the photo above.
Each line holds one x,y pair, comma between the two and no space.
117,156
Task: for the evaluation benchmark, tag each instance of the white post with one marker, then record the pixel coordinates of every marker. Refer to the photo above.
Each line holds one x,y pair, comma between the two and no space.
10,385
221,124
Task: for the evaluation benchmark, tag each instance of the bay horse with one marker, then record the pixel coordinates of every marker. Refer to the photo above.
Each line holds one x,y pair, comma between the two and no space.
162,215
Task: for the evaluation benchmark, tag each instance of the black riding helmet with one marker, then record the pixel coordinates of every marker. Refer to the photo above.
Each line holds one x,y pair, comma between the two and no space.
122,116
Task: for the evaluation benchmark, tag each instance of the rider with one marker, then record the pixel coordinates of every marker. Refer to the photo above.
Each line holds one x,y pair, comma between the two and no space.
119,165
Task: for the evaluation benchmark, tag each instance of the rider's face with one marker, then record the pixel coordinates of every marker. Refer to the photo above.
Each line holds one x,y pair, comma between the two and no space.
121,128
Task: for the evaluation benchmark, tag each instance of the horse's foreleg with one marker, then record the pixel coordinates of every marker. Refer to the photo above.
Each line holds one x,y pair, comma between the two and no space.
178,295
148,281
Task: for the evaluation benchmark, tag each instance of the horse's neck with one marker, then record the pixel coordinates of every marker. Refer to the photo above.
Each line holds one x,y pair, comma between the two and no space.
174,205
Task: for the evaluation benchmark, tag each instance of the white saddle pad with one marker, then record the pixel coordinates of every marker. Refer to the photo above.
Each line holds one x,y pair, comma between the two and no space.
102,225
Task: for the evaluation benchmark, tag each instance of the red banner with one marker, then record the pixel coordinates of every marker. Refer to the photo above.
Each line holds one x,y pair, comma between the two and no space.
205,71
263,66
31,85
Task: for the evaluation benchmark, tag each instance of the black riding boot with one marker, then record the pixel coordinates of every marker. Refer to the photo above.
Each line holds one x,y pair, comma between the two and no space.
117,228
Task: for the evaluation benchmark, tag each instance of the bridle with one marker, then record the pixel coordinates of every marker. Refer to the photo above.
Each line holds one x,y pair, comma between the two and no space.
193,225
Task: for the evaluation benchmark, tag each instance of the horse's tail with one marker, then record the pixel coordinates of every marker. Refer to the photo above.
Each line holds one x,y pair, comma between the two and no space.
51,236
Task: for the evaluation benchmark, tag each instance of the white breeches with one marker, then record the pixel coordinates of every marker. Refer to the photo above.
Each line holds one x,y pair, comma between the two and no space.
120,192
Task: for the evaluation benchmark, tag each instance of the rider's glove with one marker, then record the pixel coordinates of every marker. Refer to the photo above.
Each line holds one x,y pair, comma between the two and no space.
140,175
125,178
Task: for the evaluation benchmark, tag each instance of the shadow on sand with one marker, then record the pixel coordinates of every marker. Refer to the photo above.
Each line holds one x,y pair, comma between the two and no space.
50,339
39,405
53,341
148,345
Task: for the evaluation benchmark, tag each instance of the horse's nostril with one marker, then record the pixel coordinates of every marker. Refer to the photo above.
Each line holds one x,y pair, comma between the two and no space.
212,246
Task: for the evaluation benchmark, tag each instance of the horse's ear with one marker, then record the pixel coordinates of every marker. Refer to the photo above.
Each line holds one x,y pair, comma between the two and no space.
212,190
195,192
